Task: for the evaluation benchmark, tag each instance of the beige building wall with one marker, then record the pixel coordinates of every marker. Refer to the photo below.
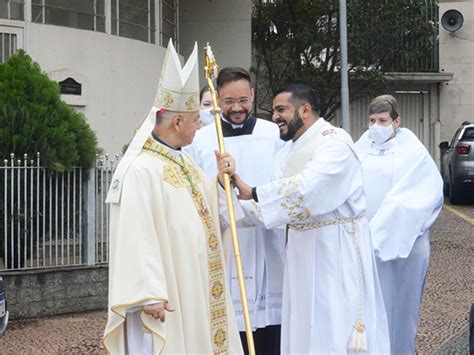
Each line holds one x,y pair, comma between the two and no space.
457,57
119,76
225,24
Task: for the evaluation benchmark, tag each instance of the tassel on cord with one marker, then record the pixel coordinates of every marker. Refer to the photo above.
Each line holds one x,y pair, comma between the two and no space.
358,343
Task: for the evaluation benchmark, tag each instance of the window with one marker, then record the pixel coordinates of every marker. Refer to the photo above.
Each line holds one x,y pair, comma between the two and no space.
12,9
8,46
468,134
134,19
169,22
83,14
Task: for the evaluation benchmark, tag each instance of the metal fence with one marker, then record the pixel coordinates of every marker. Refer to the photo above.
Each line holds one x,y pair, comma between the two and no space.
52,219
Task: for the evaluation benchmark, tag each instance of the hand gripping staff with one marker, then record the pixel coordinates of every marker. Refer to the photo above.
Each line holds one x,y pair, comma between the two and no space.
210,69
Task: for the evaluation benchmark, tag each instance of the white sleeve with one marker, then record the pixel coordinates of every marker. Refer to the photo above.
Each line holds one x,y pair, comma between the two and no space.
324,184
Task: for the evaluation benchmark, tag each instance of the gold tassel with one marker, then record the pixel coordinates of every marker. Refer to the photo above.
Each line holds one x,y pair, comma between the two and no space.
358,343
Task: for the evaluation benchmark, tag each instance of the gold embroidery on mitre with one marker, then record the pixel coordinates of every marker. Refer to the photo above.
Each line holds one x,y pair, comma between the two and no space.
165,100
292,201
192,103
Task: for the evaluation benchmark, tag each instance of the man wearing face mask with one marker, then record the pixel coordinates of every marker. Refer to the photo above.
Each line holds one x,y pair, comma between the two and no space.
253,143
404,197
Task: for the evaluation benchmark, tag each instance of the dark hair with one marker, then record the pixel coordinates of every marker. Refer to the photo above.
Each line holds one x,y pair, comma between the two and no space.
203,91
300,95
230,74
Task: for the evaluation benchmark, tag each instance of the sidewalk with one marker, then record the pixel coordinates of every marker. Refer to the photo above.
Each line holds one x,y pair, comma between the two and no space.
444,315
77,333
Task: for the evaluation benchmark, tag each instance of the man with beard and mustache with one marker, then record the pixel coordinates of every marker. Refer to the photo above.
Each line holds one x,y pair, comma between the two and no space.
332,301
253,142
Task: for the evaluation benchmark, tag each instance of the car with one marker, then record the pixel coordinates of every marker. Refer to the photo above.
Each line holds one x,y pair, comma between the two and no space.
3,308
457,163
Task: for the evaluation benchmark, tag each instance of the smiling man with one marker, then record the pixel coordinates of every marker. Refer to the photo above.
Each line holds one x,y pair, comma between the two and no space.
332,302
253,142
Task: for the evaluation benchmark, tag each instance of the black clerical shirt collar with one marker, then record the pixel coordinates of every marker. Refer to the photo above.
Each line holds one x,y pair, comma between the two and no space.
247,127
158,139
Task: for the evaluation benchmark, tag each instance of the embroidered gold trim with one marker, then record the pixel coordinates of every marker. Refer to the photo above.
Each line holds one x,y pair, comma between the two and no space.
320,224
165,99
180,174
192,103
287,189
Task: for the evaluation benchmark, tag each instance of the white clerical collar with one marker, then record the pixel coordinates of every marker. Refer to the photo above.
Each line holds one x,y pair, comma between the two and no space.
234,126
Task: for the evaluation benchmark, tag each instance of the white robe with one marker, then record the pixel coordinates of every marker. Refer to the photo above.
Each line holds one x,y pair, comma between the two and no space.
262,250
321,295
404,197
165,246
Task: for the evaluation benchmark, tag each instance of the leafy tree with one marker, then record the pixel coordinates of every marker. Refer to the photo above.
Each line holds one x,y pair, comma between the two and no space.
34,119
298,41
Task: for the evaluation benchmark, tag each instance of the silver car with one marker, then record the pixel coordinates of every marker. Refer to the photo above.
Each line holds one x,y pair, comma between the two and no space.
457,165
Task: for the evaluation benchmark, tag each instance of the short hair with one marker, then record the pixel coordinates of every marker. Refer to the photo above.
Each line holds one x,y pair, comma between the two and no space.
230,74
203,91
301,94
384,103
163,115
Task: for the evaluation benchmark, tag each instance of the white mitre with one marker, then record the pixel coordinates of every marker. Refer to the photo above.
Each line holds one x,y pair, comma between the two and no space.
178,90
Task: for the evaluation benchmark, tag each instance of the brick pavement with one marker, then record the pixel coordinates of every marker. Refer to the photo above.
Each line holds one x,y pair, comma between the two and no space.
443,321
76,333
450,283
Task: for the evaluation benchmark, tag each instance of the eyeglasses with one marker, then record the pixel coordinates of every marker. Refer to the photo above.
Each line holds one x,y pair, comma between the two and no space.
231,102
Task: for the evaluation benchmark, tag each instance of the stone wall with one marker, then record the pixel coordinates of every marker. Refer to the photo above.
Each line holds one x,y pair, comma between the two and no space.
39,293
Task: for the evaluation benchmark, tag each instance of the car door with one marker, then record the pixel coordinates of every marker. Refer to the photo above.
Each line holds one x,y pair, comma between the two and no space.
449,156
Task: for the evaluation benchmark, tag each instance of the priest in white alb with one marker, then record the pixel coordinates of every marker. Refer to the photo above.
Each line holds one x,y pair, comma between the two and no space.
404,192
253,143
167,287
332,302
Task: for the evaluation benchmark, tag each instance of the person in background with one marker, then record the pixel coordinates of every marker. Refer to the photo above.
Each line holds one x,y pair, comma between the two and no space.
404,192
205,107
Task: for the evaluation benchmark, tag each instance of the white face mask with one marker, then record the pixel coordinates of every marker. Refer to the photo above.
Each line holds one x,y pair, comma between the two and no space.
206,116
380,134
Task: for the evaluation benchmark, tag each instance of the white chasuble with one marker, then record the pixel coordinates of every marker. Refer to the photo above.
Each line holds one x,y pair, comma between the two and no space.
330,281
262,250
166,246
404,195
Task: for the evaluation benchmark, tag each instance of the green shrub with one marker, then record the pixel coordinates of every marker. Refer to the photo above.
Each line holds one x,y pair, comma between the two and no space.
34,119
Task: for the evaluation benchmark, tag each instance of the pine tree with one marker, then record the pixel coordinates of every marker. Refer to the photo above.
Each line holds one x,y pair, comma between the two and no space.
33,118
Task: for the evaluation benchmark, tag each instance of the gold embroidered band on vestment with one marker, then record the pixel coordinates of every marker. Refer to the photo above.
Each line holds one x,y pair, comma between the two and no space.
179,174
320,224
